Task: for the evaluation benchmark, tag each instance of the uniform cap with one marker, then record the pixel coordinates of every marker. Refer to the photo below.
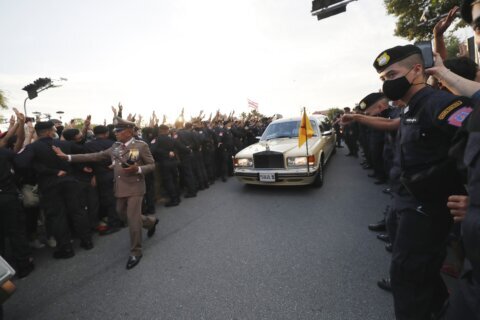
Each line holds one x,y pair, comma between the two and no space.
121,124
370,100
393,55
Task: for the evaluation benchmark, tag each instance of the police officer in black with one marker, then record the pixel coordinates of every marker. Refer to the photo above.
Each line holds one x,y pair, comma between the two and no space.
198,166
464,301
350,132
59,191
185,137
104,179
426,128
376,104
165,151
12,222
208,150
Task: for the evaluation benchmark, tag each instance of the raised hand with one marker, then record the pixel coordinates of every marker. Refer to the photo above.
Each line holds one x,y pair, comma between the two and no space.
20,116
445,23
114,110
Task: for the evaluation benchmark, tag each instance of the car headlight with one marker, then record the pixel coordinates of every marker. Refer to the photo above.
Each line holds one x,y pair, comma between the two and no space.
245,162
300,161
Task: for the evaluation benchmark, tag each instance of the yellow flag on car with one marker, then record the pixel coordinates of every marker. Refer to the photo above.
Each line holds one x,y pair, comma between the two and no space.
306,130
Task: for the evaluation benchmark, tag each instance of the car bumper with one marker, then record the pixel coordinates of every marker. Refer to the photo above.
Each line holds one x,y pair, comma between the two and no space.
295,177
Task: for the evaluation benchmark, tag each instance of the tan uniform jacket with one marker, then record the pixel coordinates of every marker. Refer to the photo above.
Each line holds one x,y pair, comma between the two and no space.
126,185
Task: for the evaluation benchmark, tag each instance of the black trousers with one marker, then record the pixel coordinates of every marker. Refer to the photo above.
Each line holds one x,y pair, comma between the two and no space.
149,197
188,178
107,200
89,201
418,253
170,180
209,161
199,170
62,201
12,227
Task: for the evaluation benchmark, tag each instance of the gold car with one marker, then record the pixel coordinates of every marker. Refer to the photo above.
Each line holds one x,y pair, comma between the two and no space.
277,160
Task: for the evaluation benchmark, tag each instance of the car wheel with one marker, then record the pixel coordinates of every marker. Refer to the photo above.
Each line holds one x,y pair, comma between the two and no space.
318,182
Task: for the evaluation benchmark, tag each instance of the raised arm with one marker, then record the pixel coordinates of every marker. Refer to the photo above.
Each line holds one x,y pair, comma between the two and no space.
378,123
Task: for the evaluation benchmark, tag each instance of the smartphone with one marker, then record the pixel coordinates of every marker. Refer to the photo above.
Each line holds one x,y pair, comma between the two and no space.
427,52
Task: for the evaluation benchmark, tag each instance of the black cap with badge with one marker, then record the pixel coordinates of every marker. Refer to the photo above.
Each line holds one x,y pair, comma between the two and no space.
370,100
393,55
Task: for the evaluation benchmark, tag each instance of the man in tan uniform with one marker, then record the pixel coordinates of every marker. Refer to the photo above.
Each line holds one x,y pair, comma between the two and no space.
131,160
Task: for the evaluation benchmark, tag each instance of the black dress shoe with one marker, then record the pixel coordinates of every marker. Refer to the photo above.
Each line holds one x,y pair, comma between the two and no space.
64,254
383,237
25,269
380,181
385,284
379,226
389,247
367,167
387,191
349,155
109,230
87,245
152,230
133,261
172,203
190,195
371,175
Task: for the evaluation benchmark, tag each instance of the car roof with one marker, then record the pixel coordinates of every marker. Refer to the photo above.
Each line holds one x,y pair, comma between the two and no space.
318,117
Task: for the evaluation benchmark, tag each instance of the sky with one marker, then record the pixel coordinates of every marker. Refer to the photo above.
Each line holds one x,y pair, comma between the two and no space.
198,55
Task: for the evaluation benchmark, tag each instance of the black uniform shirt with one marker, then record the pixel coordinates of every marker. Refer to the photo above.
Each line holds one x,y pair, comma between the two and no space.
7,178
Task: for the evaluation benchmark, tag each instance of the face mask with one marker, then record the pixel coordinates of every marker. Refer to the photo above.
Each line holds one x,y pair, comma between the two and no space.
396,89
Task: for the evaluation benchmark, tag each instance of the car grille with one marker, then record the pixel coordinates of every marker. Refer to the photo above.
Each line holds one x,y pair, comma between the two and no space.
268,160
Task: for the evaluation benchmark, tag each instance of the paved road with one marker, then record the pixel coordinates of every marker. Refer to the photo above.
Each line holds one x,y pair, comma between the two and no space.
234,252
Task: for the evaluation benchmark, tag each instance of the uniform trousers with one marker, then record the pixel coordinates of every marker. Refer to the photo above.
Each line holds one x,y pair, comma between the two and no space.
418,253
12,227
60,201
130,209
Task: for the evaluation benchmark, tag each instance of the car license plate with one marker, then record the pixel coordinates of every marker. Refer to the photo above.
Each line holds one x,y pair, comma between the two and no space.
266,176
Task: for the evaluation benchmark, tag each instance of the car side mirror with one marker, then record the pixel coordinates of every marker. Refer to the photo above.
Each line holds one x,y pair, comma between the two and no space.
327,133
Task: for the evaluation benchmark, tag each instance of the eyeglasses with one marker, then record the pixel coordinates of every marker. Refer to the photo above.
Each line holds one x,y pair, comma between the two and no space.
476,24
118,130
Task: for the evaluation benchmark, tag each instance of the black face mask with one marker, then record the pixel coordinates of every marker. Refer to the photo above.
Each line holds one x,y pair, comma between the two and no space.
397,88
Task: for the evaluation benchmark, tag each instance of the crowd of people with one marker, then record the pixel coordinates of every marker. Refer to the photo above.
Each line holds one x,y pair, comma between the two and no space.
59,182
420,134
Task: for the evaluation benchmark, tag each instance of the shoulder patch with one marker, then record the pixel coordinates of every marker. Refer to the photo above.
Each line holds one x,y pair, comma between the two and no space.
449,109
459,116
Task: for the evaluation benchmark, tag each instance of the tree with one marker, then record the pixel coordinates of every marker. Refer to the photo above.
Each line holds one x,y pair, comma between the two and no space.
453,44
3,100
409,14
332,113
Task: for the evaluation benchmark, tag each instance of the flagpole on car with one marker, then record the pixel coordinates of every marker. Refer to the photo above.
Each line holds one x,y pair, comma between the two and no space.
306,137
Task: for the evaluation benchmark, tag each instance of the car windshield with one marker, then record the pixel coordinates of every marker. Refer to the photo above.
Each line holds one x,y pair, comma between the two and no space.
286,129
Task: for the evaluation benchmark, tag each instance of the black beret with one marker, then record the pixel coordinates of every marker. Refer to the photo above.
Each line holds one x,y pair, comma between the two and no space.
69,134
43,125
370,100
395,54
100,130
466,10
